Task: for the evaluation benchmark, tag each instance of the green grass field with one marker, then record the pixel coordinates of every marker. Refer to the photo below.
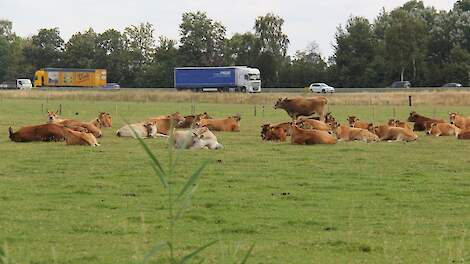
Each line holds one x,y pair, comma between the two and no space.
347,203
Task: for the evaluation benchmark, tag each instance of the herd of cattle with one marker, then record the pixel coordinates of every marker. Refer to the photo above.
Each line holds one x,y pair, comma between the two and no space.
192,131
325,129
196,131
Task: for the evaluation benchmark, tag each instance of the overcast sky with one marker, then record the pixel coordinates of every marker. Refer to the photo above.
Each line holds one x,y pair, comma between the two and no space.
305,20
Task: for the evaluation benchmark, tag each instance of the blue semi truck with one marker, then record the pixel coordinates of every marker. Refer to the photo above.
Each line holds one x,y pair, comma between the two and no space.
222,79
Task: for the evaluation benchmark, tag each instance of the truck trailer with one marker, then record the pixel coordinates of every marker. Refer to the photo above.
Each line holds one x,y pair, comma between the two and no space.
222,79
67,77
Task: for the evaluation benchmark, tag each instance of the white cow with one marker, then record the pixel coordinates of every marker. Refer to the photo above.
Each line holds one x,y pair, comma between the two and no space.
198,138
143,130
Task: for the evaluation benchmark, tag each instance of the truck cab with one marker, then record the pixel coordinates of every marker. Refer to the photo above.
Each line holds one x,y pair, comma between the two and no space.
253,80
39,78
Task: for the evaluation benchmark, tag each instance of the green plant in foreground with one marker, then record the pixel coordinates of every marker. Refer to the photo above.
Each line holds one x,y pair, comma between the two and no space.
178,203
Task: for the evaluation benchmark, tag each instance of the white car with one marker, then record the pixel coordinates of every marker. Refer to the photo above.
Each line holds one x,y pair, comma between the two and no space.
321,88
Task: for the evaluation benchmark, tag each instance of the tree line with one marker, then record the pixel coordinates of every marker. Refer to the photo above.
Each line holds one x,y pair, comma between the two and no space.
412,42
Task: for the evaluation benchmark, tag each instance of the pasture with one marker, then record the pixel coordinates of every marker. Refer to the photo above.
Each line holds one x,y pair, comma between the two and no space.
347,203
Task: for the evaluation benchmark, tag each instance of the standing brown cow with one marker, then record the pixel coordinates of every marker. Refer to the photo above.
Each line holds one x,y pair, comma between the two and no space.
300,106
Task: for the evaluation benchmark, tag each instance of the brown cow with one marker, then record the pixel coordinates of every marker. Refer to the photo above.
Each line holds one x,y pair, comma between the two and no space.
229,124
309,137
346,133
73,137
385,132
46,132
464,135
461,122
191,120
421,122
357,123
273,133
164,123
443,129
105,120
91,127
300,106
314,124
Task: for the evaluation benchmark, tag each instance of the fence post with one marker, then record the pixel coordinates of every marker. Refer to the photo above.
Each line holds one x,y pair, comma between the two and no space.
42,108
255,110
409,101
60,109
263,111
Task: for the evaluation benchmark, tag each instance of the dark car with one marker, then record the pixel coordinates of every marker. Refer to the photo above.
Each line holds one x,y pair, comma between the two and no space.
452,85
400,84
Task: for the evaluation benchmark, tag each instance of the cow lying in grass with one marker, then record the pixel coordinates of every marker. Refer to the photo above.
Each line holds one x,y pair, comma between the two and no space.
91,127
353,121
141,130
302,136
191,120
46,132
198,138
386,132
273,133
443,129
165,122
421,122
347,133
461,122
229,124
73,137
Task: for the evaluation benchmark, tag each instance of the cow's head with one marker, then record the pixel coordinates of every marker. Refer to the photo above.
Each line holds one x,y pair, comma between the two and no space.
237,117
52,116
10,132
280,103
105,119
412,117
352,120
452,117
204,115
264,131
177,119
370,127
433,129
392,122
329,118
151,128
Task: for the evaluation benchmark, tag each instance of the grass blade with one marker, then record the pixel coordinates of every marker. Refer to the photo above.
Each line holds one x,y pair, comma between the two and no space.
184,204
157,248
197,251
157,167
245,259
192,180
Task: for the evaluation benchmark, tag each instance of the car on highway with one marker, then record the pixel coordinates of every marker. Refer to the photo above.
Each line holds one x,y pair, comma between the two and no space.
400,84
321,88
452,85
111,86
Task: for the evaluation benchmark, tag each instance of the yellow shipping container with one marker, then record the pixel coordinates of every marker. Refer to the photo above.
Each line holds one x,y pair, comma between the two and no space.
62,77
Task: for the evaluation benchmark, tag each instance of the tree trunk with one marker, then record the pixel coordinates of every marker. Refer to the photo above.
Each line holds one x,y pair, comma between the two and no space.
402,73
414,69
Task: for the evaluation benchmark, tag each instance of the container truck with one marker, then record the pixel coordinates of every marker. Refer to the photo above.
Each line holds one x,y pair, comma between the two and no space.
222,79
66,77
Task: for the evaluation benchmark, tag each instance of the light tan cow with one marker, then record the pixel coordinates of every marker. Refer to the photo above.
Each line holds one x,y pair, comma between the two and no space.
73,137
443,129
346,133
386,132
460,121
142,130
197,138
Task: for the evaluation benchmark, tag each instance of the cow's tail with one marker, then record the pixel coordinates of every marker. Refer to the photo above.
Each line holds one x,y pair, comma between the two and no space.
10,132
